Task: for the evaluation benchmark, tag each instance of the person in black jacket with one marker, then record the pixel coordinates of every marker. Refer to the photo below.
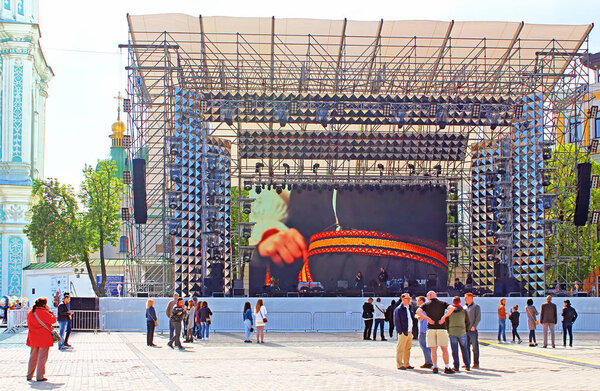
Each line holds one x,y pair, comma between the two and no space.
64,318
514,321
389,316
177,316
569,315
367,315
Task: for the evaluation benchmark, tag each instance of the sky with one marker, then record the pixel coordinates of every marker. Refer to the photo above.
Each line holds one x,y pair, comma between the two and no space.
80,41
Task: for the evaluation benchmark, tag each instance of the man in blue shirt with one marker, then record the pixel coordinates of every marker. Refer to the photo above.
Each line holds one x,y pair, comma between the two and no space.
404,318
423,335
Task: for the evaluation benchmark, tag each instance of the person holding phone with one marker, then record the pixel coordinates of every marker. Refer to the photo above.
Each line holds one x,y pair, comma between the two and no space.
39,338
64,317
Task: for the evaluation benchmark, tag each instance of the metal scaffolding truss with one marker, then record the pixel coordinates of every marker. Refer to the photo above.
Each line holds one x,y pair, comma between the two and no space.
394,77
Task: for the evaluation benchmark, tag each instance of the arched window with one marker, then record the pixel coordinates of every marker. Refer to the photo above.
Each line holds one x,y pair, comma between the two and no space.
123,244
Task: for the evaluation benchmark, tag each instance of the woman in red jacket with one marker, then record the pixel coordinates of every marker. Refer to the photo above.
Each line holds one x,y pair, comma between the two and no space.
39,337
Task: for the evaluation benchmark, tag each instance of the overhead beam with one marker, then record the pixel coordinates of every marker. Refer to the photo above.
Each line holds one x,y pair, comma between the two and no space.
434,71
375,49
338,68
507,55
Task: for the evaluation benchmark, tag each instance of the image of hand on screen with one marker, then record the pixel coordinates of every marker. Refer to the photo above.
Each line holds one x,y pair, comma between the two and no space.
273,238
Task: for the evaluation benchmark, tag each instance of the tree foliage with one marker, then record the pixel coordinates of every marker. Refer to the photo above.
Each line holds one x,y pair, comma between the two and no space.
569,243
69,233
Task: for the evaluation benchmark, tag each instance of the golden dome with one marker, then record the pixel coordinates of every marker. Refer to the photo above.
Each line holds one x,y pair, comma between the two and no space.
118,129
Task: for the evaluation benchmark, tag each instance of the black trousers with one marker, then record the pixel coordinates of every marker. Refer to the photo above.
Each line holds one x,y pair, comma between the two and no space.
368,327
150,332
391,325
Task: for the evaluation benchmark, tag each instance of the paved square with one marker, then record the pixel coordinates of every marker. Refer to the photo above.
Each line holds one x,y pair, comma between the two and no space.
291,361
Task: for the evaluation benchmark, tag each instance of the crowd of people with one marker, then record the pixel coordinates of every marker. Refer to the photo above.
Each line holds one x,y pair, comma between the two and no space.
194,317
437,324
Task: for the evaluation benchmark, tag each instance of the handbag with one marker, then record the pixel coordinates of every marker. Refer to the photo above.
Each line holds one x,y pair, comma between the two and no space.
156,323
207,320
55,335
536,321
265,320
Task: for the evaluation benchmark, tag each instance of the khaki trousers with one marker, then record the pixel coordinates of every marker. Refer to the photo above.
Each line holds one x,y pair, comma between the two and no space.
403,350
37,358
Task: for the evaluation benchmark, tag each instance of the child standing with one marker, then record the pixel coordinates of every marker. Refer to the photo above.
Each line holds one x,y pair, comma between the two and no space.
514,320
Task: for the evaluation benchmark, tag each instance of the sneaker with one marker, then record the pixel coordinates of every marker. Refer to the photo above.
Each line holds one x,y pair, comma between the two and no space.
532,345
435,370
449,371
383,339
520,341
248,341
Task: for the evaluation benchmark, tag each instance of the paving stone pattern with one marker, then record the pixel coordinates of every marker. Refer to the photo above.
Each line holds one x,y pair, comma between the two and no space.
291,361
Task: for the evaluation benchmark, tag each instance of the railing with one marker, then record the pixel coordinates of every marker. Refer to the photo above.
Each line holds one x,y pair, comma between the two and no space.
16,319
83,320
232,321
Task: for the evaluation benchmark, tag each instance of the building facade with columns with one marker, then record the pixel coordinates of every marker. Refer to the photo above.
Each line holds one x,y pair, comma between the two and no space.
24,77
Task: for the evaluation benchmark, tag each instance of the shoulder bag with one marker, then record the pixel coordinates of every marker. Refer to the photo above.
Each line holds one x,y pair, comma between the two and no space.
55,335
529,312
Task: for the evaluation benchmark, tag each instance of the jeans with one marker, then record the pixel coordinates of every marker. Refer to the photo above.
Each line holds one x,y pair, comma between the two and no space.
197,329
515,333
532,336
380,323
368,327
62,331
501,330
455,342
568,328
424,348
69,325
473,340
247,326
205,327
149,332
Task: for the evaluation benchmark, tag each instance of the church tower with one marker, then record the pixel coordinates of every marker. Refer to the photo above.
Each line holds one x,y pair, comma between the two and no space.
24,77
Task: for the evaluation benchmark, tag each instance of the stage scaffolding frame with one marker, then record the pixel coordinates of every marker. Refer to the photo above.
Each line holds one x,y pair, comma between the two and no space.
373,65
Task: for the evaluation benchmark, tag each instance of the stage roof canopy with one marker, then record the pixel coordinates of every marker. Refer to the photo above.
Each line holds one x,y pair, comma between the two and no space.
389,57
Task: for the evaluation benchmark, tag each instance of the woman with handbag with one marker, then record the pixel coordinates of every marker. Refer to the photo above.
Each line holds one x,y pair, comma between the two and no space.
260,314
40,337
151,322
532,322
247,318
205,321
191,322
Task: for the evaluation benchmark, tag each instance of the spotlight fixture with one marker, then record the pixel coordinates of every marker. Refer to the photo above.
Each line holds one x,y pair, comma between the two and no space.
546,153
438,169
518,112
286,168
278,189
453,187
246,208
315,168
258,189
595,181
411,167
442,118
282,117
595,217
247,185
476,110
493,121
593,112
127,105
228,116
259,165
399,118
322,117
594,146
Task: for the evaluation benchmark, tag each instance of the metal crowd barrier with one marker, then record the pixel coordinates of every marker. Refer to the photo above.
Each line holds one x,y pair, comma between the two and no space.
84,320
232,321
16,319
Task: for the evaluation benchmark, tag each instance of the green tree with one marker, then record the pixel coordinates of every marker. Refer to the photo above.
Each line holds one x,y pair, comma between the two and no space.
55,221
70,234
101,195
572,244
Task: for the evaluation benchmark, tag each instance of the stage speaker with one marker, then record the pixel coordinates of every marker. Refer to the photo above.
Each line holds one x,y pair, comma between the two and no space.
140,208
582,202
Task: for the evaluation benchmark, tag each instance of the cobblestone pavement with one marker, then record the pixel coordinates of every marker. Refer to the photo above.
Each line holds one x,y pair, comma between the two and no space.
291,361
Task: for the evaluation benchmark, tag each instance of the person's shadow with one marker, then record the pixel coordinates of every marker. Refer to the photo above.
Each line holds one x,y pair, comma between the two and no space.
45,385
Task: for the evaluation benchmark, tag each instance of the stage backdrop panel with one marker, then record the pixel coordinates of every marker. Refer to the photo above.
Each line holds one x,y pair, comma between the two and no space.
400,229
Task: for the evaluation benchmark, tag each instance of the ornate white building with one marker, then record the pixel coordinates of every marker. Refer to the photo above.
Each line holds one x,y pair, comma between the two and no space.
24,77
